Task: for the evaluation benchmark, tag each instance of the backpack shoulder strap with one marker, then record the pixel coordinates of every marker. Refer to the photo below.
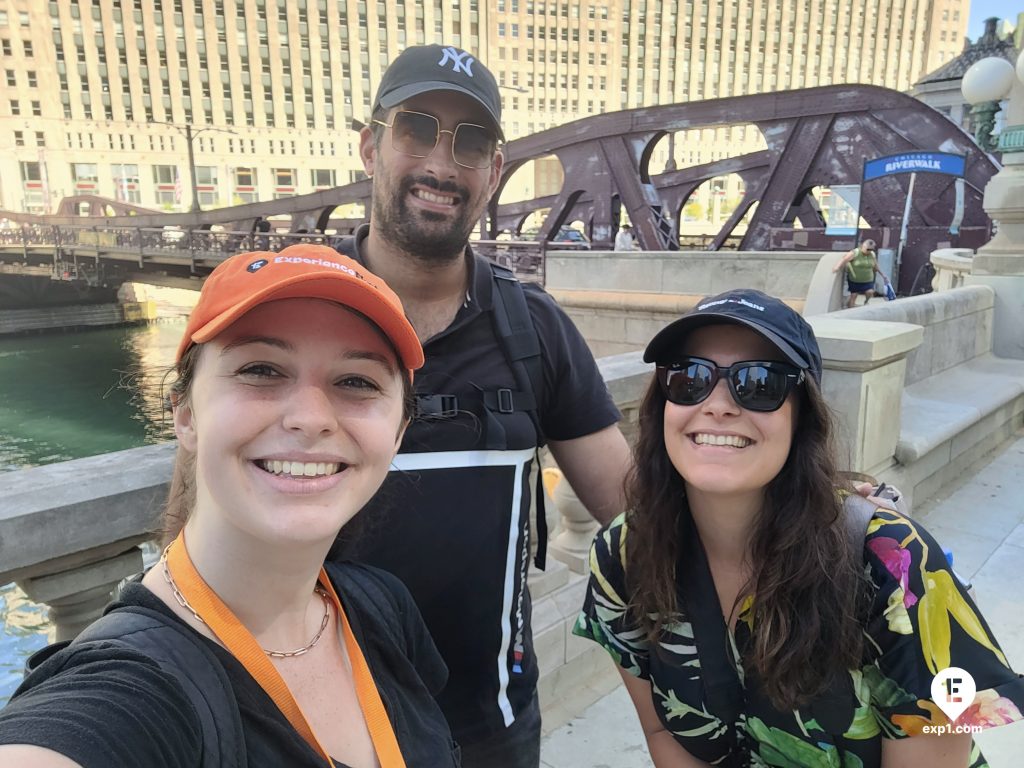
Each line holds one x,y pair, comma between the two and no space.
517,335
834,708
181,653
858,512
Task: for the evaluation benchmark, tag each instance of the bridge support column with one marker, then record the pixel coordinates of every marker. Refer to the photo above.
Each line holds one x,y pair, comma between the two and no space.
76,597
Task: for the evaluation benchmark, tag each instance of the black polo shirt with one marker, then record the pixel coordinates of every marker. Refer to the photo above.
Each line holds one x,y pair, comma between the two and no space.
452,520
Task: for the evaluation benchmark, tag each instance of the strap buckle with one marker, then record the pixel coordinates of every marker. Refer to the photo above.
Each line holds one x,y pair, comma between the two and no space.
444,406
505,404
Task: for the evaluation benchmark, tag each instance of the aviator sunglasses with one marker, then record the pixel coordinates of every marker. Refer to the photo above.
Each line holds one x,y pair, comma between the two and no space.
416,134
755,385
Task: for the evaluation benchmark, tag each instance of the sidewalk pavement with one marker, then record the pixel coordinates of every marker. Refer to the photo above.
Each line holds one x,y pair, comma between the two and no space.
979,516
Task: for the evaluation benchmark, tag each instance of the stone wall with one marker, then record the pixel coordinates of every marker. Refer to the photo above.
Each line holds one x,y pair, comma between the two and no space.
957,326
620,300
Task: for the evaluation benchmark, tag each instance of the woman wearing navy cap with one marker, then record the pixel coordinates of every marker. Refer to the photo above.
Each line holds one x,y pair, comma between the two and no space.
760,616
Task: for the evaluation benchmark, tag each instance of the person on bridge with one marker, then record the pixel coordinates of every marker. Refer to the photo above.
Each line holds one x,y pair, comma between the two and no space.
624,239
861,267
293,392
759,613
506,372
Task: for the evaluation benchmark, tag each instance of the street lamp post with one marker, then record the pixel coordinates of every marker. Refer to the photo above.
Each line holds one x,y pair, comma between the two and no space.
1000,262
190,135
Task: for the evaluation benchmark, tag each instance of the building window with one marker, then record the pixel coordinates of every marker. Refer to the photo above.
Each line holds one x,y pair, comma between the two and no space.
126,183
322,178
30,171
5,47
19,139
12,80
27,47
245,186
84,175
168,191
206,184
40,139
32,187
284,182
37,109
15,107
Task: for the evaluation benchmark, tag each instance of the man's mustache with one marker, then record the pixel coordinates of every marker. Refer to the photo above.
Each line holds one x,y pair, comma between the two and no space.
449,187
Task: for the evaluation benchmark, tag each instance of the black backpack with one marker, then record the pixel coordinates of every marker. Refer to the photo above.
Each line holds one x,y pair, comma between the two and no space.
517,337
175,648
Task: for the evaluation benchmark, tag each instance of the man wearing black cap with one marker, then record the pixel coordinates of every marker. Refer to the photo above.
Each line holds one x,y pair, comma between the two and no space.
506,371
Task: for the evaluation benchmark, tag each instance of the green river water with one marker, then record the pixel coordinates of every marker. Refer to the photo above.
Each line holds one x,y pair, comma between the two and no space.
65,396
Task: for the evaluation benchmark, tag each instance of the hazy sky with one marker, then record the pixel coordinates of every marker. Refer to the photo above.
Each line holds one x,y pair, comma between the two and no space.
982,9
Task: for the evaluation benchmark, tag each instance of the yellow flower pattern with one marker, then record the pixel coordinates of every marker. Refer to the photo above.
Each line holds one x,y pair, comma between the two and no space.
921,621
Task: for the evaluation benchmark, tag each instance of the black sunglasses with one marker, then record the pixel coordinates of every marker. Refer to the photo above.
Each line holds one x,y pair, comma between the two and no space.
416,134
755,385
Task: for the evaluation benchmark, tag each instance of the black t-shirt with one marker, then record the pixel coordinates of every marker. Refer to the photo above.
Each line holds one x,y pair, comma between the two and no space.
109,706
452,520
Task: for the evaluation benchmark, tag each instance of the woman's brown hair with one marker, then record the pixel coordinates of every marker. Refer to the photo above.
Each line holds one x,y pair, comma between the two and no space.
807,581
181,496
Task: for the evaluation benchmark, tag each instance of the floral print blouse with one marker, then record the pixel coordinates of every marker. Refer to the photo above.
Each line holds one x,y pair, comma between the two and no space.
921,621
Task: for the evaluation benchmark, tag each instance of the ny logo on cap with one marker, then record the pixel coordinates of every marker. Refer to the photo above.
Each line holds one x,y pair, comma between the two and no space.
461,60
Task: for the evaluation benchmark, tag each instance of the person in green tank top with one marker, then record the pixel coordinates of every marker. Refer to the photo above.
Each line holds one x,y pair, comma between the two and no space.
861,265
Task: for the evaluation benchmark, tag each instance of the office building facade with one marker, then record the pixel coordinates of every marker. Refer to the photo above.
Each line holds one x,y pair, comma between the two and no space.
95,94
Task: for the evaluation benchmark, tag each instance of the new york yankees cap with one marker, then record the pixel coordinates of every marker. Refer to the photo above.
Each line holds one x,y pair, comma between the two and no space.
425,68
764,314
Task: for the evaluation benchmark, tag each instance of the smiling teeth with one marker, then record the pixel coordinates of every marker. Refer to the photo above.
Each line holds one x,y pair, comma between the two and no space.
430,197
299,468
732,440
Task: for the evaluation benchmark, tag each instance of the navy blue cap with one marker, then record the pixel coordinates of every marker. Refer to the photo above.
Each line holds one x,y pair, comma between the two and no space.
425,68
771,318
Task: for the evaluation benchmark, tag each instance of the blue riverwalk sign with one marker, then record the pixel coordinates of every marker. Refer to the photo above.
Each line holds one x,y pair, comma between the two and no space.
915,162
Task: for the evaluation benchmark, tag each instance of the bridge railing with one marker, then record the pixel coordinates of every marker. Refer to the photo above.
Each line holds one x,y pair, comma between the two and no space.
202,249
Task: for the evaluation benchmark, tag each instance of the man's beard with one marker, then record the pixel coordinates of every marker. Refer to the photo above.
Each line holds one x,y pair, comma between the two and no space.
411,231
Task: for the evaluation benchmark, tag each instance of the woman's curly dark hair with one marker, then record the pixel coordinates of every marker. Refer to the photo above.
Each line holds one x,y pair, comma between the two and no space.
807,580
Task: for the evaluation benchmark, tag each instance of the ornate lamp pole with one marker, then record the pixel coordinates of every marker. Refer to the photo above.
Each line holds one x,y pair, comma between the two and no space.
1000,262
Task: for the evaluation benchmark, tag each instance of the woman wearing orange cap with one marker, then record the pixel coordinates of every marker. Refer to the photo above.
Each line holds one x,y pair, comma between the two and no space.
293,390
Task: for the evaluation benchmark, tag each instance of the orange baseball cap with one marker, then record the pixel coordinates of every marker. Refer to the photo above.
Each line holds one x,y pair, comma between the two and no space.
303,271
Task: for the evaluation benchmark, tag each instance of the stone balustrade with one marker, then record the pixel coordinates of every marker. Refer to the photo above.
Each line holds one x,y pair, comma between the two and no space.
952,266
914,382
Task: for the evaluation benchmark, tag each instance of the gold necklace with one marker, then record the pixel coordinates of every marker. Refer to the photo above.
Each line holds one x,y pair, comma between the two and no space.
273,654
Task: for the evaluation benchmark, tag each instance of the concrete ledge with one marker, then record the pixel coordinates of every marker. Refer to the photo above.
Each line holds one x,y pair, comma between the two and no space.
927,309
778,273
862,343
90,502
958,326
941,407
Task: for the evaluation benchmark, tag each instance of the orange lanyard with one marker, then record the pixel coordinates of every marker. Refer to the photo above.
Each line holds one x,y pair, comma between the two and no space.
243,646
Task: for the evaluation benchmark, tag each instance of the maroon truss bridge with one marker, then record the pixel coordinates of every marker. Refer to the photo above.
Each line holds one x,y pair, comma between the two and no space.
815,137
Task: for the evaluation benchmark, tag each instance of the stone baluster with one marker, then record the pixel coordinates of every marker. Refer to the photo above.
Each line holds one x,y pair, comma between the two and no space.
572,544
76,596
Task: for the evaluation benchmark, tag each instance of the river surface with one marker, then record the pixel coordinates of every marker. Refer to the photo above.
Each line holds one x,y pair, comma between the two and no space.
65,396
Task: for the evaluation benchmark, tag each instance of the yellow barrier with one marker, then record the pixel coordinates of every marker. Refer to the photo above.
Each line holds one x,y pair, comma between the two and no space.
97,238
139,311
